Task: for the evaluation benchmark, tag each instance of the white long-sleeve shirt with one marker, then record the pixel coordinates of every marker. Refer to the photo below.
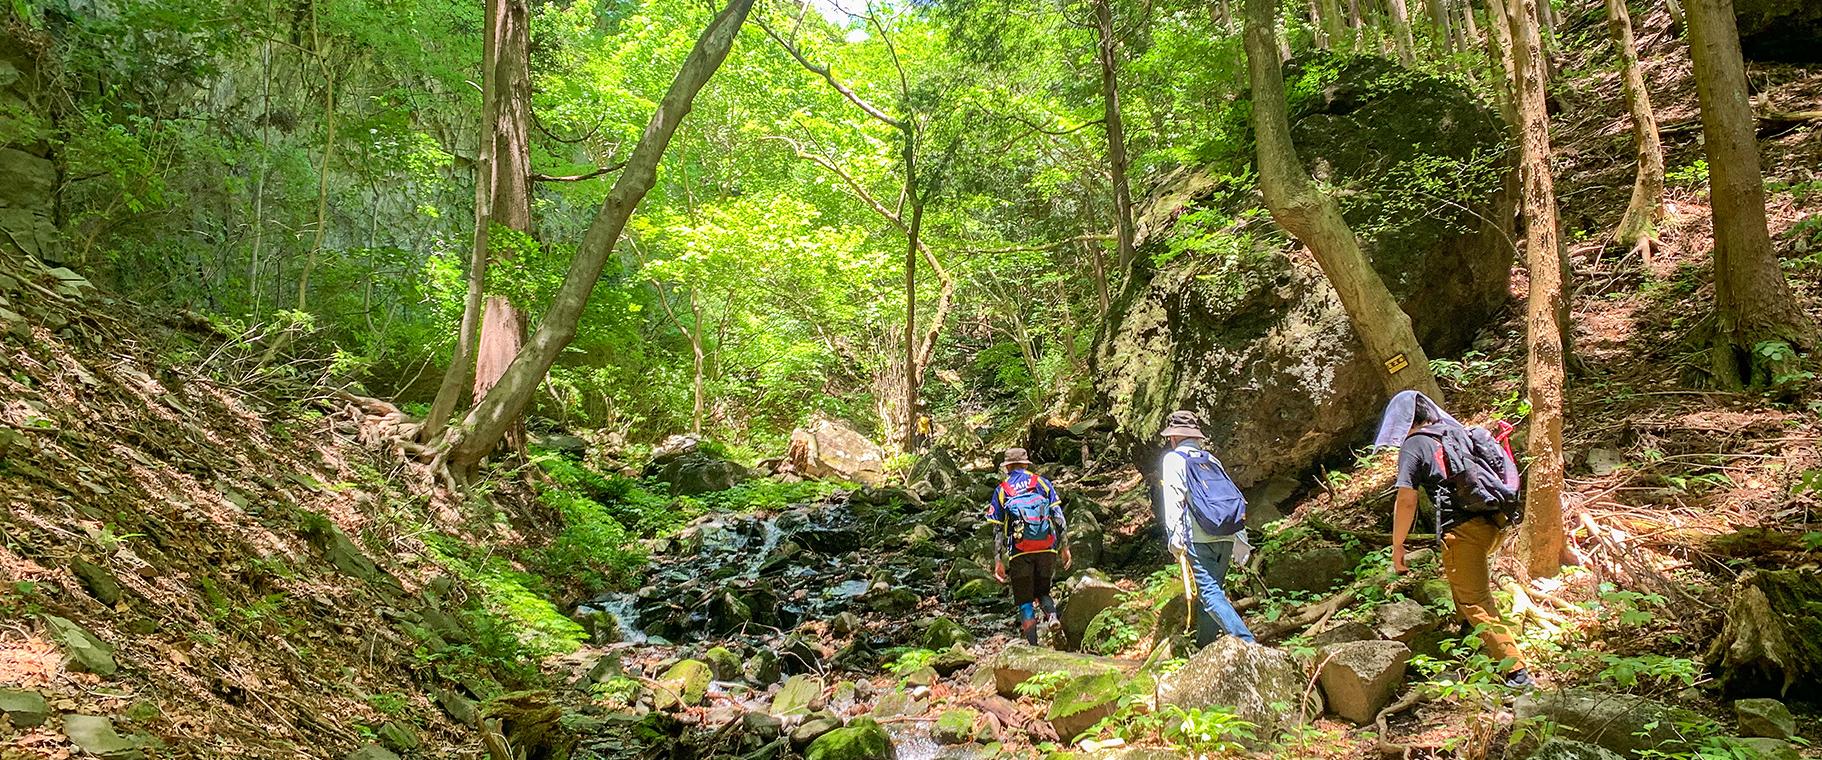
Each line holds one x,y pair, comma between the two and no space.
1174,492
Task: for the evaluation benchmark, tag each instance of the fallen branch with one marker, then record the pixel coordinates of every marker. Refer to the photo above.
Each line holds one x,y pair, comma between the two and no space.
1387,747
1010,715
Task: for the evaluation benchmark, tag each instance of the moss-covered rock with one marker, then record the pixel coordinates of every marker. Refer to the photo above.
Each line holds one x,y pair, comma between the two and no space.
1017,663
861,740
683,685
956,726
1084,701
723,663
944,633
1220,317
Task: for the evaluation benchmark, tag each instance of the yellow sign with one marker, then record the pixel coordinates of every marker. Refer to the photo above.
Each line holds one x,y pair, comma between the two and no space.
1397,364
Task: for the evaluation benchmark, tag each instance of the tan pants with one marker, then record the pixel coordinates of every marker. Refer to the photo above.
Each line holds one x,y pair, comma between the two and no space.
1465,549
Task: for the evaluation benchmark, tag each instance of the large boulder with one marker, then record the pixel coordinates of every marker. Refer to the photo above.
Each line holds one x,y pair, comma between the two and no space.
1017,663
1262,685
1084,701
937,475
1358,678
1766,718
833,451
1225,316
1310,569
1780,30
1622,723
1088,595
862,740
699,473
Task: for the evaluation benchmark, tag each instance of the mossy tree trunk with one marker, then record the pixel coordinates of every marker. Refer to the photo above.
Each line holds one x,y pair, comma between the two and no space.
488,422
1638,228
502,321
1545,369
1315,219
1772,639
1759,325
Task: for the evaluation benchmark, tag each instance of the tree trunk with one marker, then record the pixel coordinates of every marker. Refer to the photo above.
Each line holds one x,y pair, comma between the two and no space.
913,375
1678,21
1758,323
1545,372
457,377
1499,42
1334,27
1768,643
1439,25
1401,32
322,188
1470,32
1315,218
490,419
503,323
1116,133
1638,228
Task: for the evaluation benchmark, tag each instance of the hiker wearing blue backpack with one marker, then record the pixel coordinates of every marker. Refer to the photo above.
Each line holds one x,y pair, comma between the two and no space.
1204,518
1472,480
1029,514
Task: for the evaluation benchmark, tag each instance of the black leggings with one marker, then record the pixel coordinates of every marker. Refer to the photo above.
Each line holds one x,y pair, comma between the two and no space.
1030,576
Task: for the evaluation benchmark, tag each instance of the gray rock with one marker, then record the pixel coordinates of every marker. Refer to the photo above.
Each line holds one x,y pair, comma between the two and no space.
844,624
1087,597
1767,718
1314,569
1017,663
1351,630
87,653
952,660
1083,701
96,736
798,696
899,702
761,725
1569,749
831,450
695,474
562,443
1259,346
346,557
723,663
761,669
25,707
957,726
1405,620
372,752
398,737
1771,749
1619,722
812,729
1260,684
460,709
1087,540
936,475
1603,461
1359,678
100,583
683,685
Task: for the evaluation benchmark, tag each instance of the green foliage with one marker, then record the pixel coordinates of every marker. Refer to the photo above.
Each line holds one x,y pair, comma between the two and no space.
1042,685
1624,607
1690,175
1464,674
911,661
1650,670
1472,368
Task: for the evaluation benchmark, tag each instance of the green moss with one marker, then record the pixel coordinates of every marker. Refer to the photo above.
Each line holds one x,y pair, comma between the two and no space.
863,739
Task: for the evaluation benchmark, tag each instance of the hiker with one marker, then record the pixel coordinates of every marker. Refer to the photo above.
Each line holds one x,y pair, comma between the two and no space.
1469,521
1204,519
1030,516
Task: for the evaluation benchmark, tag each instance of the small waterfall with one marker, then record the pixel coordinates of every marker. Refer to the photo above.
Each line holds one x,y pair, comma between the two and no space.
770,541
625,609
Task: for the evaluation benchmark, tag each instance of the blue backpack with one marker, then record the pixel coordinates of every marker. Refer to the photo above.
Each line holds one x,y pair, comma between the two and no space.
1214,500
1027,516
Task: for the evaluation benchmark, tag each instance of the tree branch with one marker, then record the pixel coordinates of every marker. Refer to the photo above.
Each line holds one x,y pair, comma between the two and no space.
614,167
828,76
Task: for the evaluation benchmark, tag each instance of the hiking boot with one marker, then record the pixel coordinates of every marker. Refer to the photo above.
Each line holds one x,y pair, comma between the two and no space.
1054,624
1521,680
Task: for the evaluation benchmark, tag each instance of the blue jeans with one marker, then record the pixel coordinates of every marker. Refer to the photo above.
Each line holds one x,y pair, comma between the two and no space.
1208,565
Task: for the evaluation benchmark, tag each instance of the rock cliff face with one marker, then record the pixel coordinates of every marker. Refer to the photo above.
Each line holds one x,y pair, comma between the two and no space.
1225,315
1780,30
28,179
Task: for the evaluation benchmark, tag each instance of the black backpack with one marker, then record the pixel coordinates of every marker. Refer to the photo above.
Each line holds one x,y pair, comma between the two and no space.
1479,465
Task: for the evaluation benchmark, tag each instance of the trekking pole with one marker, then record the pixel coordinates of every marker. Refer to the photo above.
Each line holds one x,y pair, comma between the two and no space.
1189,592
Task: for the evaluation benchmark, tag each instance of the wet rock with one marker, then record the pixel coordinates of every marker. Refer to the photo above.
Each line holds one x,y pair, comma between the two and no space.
100,583
1359,678
26,708
891,600
683,685
762,725
845,624
861,740
977,589
798,696
1771,749
1083,701
1342,633
1087,597
1311,570
87,654
96,736
830,450
761,669
812,729
723,663
956,726
1569,749
1619,722
1405,620
1260,684
1019,662
1767,718
944,633
952,660
899,702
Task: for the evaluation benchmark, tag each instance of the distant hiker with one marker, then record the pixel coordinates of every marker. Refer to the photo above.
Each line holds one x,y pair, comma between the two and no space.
1472,480
1030,517
1204,523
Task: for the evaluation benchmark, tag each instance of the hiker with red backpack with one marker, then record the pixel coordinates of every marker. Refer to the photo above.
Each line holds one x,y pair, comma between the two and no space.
1472,480
1029,514
1204,518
